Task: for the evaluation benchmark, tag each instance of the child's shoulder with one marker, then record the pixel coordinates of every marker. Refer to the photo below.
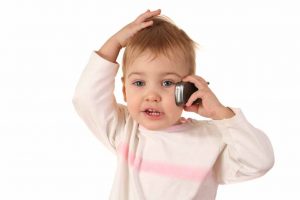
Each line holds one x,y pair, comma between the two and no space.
201,125
200,122
236,118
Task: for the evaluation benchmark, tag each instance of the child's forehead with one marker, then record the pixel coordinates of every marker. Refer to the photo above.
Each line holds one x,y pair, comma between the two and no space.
148,57
160,64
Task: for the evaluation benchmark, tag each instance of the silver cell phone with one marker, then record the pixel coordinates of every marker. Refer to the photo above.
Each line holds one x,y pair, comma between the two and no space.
183,91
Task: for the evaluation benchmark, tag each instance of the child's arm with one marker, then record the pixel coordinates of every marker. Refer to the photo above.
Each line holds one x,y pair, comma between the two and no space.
246,152
111,48
94,98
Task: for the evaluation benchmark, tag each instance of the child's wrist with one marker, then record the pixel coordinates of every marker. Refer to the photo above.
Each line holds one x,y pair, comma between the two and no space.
223,113
110,50
116,42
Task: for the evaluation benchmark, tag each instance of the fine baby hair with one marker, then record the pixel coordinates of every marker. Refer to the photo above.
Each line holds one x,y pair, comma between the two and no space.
162,38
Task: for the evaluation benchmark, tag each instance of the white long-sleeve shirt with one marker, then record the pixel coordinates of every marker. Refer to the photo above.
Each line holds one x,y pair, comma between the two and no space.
183,162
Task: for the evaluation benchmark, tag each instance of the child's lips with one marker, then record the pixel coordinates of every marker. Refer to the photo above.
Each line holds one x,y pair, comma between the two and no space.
153,114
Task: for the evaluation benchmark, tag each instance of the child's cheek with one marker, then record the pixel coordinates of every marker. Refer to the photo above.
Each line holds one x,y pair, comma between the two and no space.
170,99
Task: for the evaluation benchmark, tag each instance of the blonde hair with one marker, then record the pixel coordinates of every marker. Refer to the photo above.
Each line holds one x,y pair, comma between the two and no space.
163,37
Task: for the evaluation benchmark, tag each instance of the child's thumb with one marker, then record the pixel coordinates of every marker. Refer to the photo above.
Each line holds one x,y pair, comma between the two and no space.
192,108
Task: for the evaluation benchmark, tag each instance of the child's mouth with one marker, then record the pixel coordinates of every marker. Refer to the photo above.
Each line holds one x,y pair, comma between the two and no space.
153,114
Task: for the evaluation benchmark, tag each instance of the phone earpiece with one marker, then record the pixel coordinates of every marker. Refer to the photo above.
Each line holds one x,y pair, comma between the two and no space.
183,91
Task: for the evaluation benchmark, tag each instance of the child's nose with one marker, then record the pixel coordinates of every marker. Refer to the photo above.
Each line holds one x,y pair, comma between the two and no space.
153,97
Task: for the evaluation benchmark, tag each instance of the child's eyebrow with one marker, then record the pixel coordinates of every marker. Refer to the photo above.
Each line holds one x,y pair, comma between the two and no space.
135,73
171,73
163,74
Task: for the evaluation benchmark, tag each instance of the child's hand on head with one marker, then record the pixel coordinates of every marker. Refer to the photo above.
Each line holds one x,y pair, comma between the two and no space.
210,106
139,23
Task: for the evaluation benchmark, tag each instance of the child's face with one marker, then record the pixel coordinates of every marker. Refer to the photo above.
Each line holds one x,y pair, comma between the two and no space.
150,90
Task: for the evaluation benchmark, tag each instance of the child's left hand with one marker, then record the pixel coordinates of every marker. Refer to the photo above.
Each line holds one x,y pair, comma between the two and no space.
210,106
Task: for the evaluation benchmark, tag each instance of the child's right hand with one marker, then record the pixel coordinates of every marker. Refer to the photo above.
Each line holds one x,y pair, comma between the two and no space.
111,48
139,23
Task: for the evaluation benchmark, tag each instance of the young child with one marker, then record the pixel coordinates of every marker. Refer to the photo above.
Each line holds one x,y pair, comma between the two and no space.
160,154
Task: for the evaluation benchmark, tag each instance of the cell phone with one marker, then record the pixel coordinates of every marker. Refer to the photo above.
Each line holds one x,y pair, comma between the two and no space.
183,91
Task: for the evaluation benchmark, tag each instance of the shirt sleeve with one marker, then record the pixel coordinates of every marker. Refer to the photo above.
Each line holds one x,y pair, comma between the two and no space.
246,152
95,102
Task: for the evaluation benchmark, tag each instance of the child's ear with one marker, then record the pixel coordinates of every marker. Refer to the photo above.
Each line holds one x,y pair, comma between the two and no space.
123,89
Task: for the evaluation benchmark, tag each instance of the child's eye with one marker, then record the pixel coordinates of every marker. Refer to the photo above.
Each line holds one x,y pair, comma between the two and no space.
138,83
167,83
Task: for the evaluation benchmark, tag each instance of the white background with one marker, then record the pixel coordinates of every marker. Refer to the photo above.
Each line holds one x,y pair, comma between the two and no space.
249,53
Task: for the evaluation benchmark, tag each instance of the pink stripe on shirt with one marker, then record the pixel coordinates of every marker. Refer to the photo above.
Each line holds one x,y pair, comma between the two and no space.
161,168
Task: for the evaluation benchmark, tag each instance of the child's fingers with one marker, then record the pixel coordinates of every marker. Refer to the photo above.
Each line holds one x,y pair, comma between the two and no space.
142,14
199,82
140,26
196,78
147,15
141,22
193,108
196,95
146,24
